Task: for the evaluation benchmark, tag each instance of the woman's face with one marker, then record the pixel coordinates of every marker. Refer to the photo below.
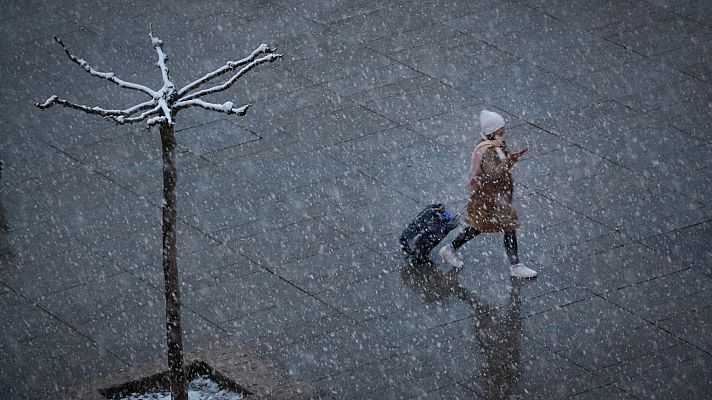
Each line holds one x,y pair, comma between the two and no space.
499,132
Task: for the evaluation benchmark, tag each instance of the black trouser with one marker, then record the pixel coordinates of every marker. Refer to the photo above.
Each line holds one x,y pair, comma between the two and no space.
510,242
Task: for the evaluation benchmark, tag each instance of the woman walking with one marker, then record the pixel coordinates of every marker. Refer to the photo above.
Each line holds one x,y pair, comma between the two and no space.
490,208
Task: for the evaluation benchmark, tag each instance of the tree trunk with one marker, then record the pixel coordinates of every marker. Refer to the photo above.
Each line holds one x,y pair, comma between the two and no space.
174,335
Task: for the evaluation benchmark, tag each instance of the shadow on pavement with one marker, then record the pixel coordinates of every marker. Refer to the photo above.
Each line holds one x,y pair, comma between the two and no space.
497,333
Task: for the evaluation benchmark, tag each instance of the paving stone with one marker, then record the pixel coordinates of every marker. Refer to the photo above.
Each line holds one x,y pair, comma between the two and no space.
588,122
691,119
645,204
332,270
613,83
350,189
667,96
12,11
333,353
664,36
633,150
102,298
565,331
24,28
657,226
379,23
420,104
379,295
377,78
502,17
28,276
551,301
122,248
595,352
455,392
446,10
214,137
507,79
620,267
140,335
601,15
542,36
389,378
550,100
685,246
26,321
693,59
551,376
60,193
536,212
377,227
44,368
536,140
336,127
684,368
665,297
691,327
691,183
407,387
591,193
379,148
633,16
279,306
605,392
330,11
426,35
21,170
561,257
581,60
322,63
267,341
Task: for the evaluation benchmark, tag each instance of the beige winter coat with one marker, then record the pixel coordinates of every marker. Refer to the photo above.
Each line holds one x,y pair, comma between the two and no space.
490,207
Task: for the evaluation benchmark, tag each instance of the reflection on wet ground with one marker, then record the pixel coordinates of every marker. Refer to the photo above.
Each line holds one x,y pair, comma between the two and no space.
496,331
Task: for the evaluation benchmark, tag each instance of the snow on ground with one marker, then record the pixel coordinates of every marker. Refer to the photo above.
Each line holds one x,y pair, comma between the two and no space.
199,389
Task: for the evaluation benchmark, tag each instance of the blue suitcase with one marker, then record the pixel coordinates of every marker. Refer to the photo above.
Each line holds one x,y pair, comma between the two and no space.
427,230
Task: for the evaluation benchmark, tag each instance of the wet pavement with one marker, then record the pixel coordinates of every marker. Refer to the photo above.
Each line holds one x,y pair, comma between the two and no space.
289,216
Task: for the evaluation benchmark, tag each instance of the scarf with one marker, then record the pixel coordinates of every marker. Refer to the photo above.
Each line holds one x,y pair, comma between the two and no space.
479,151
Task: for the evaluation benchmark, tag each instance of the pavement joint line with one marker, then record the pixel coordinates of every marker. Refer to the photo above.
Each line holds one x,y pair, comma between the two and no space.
65,323
696,224
656,325
680,337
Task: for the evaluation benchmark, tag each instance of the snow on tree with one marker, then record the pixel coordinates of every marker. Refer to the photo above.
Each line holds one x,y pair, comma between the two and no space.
161,110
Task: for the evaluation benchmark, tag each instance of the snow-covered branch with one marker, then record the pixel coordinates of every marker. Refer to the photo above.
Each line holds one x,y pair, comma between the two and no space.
167,101
95,110
227,107
231,81
229,66
158,45
105,75
121,120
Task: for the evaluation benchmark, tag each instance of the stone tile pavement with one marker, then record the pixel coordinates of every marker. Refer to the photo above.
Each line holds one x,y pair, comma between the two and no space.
289,216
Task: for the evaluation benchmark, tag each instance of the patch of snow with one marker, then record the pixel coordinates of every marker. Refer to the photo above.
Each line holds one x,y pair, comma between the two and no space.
202,388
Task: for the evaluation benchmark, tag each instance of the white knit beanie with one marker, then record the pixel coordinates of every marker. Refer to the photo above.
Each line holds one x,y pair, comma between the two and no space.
490,122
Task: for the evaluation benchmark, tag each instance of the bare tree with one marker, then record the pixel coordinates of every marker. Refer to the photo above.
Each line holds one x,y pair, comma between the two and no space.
161,110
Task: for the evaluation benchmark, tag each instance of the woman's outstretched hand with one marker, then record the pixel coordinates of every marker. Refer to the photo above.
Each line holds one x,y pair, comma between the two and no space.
517,154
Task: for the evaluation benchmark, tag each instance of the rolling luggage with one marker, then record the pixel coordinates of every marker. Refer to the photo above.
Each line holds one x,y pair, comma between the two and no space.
427,230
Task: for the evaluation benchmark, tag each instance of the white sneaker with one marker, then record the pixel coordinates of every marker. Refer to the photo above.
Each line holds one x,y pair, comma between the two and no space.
448,254
521,271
